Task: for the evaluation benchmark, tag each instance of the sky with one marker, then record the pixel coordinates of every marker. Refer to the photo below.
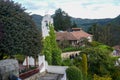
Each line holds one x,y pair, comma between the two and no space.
92,9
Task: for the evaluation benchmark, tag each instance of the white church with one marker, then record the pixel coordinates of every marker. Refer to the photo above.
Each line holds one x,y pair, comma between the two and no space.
47,19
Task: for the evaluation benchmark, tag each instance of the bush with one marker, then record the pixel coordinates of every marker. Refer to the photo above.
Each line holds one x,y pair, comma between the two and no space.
96,77
73,73
66,62
71,48
20,58
56,58
94,43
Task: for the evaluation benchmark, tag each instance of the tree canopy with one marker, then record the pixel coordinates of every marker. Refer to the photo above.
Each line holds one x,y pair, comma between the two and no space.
62,21
19,33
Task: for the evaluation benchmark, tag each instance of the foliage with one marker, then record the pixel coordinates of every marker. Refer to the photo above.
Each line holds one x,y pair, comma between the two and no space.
19,31
101,78
20,57
63,44
37,19
67,62
115,73
47,50
71,48
74,25
84,65
99,59
95,43
61,20
56,52
73,73
50,49
56,56
107,34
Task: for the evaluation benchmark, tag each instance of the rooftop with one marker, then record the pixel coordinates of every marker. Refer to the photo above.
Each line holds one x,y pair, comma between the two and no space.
75,34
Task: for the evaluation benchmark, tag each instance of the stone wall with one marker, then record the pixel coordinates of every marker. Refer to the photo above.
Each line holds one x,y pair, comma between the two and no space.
8,67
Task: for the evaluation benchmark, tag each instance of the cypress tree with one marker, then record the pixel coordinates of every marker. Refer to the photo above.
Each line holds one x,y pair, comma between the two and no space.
84,65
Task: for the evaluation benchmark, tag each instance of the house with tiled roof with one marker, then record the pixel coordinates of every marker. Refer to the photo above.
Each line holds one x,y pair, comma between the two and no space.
116,51
74,36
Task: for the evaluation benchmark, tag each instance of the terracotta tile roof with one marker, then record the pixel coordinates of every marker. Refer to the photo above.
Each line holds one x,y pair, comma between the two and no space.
117,47
74,35
64,36
80,34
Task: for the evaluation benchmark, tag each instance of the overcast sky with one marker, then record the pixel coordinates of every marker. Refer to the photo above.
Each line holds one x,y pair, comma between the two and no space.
93,9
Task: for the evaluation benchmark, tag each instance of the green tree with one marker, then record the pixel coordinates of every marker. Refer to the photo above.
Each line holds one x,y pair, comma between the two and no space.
61,20
19,31
74,25
99,59
56,52
73,73
47,49
84,65
50,48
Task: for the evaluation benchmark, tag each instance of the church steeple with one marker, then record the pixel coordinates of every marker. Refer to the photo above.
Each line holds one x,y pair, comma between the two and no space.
47,19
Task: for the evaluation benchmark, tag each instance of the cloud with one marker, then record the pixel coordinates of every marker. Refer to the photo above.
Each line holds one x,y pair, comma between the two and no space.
75,8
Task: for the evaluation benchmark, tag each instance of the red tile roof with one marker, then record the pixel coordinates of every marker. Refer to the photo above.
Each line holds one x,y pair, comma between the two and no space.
64,36
74,35
80,34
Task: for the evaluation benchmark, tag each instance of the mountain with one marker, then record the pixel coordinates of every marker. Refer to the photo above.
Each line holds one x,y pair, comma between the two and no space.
83,23
86,23
115,21
37,19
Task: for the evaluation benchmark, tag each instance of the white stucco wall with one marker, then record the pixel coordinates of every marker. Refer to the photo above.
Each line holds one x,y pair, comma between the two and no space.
89,38
57,69
41,60
45,28
51,68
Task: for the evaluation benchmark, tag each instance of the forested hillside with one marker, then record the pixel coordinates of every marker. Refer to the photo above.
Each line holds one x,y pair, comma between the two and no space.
84,23
37,19
108,33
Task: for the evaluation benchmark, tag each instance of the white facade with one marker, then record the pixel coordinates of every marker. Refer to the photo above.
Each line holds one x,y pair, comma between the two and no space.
52,69
47,19
89,38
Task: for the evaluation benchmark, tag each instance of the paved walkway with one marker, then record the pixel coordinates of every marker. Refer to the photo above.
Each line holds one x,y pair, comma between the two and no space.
51,76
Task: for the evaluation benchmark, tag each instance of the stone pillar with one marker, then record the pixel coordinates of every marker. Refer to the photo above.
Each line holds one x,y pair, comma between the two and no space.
8,67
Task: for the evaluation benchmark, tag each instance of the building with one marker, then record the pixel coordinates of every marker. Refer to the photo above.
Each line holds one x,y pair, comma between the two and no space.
74,37
45,25
116,51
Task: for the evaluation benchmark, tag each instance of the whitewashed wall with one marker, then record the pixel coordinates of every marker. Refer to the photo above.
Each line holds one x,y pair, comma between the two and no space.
52,69
57,69
45,28
41,60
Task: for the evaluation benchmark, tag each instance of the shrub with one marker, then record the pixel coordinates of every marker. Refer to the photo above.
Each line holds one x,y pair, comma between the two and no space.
84,65
71,48
95,43
66,62
73,73
96,77
20,57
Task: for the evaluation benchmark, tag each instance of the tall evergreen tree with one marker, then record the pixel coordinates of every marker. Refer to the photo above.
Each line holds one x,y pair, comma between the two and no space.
61,20
84,65
19,31
50,49
74,25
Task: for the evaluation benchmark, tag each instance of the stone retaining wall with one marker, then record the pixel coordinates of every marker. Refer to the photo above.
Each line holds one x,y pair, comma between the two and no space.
8,67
